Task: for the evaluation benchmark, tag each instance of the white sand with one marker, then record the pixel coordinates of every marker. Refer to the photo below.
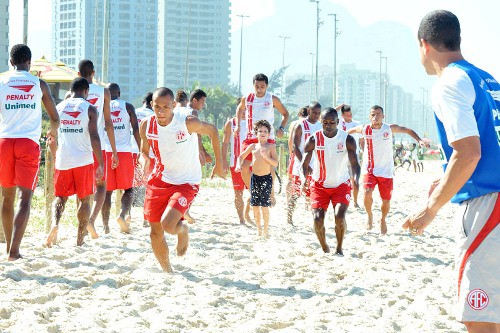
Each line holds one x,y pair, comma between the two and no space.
230,281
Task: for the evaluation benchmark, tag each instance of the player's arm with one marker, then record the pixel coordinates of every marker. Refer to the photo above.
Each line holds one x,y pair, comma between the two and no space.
297,138
405,130
284,112
290,138
239,113
144,158
226,137
195,125
134,123
353,160
308,151
244,155
462,163
357,129
50,108
95,141
108,127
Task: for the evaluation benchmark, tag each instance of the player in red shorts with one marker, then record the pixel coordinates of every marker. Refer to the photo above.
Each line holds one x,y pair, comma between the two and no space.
74,169
259,105
122,177
229,140
175,180
378,162
21,95
333,150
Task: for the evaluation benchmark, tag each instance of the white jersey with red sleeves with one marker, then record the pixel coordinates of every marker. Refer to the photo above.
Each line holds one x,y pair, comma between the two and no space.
378,156
20,109
176,151
331,165
259,108
96,98
308,129
121,125
236,144
74,146
140,113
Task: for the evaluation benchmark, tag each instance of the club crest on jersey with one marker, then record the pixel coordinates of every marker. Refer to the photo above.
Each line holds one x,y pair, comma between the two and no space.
340,146
386,135
180,136
267,103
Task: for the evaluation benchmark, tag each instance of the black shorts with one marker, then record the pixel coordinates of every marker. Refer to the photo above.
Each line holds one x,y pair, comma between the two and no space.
260,190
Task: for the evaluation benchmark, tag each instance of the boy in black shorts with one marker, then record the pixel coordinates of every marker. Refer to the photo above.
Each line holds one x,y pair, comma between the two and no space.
264,158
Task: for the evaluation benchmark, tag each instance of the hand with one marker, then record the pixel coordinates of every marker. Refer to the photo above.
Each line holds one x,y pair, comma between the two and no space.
309,171
419,221
99,173
114,161
52,142
433,186
424,144
144,162
264,152
208,158
217,171
280,133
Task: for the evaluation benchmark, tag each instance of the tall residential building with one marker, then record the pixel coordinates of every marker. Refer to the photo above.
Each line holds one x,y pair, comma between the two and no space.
359,88
148,41
193,42
4,35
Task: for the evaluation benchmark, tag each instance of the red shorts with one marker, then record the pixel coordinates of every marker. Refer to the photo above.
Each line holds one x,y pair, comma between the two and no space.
291,160
297,186
19,162
160,195
384,185
104,165
248,142
79,181
238,183
122,177
322,196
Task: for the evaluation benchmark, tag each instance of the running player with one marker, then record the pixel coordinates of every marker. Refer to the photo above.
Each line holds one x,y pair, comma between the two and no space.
121,178
228,140
301,133
332,151
259,105
378,165
74,169
100,98
21,95
302,114
466,101
177,174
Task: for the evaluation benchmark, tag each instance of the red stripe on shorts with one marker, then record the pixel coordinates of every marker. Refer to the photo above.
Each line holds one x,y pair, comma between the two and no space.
369,144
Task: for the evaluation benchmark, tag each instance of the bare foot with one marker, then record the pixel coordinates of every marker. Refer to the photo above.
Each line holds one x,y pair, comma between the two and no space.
183,241
123,225
369,224
13,257
339,252
145,224
259,232
189,218
383,228
242,222
91,231
128,220
291,222
166,267
326,249
52,238
266,234
106,229
356,205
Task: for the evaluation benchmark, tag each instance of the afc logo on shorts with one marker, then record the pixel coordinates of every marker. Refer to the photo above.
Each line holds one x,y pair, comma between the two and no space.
182,201
477,299
180,136
348,197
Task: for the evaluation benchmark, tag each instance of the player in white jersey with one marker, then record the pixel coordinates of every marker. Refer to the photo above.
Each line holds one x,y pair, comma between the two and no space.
100,98
302,114
301,133
259,105
333,153
177,174
233,145
21,95
347,124
378,163
122,177
74,169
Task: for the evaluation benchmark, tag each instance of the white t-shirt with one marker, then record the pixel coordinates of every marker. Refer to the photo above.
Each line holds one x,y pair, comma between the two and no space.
96,98
378,156
331,165
259,108
140,113
121,125
308,129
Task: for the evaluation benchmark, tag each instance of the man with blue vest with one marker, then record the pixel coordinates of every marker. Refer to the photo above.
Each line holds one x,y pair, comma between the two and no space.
466,102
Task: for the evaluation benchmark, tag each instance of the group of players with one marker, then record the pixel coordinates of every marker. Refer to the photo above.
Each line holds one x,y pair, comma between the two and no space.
92,134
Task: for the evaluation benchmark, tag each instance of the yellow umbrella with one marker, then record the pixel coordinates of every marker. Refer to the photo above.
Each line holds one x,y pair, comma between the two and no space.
52,72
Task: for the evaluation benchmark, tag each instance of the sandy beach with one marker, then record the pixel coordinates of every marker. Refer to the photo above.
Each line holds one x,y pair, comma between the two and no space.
232,281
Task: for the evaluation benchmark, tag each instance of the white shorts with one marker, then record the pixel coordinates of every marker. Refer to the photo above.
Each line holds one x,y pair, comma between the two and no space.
478,259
